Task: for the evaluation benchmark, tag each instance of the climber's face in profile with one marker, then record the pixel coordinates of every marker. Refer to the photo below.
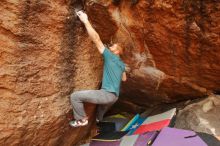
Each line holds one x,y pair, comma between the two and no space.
116,49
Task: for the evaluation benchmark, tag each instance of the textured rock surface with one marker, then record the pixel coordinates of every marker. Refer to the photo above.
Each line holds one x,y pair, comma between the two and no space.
171,49
201,116
44,57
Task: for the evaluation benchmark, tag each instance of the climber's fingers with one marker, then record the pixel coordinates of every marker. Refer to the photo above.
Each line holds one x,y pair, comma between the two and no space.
79,13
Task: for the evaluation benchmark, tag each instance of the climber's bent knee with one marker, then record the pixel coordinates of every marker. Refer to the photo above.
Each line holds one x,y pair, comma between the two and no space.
74,96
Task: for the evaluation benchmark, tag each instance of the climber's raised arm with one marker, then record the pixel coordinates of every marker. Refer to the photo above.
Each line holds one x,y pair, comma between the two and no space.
91,31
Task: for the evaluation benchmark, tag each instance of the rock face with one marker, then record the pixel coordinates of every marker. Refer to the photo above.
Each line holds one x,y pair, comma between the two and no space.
171,50
44,57
201,116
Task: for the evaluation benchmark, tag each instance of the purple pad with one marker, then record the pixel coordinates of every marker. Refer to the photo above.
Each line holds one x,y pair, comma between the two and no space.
146,138
138,140
178,137
104,143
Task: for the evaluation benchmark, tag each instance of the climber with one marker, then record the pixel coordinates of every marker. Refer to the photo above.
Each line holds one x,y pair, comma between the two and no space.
113,73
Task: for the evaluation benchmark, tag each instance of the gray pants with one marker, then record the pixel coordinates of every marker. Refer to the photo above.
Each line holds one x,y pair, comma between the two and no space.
104,98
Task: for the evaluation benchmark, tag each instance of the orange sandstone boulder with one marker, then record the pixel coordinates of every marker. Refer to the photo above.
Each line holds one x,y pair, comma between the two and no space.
171,51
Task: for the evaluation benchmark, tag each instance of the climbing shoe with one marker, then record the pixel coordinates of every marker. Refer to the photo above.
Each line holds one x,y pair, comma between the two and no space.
78,123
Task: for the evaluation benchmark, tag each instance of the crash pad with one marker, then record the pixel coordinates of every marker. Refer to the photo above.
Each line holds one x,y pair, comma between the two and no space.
119,121
130,123
209,139
136,125
117,116
178,137
110,136
156,122
139,140
152,126
105,143
131,140
105,126
160,117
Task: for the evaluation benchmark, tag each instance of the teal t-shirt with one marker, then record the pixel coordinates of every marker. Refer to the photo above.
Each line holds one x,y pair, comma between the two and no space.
112,74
